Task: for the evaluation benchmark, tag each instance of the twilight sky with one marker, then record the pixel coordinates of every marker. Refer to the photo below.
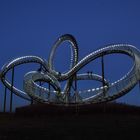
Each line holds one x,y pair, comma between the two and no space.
30,27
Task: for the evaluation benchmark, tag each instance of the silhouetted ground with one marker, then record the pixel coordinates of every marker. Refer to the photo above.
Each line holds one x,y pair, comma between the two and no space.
112,121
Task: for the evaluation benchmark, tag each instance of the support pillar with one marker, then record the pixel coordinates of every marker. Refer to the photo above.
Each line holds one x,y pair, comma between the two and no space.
49,87
40,83
139,85
11,96
103,74
5,95
103,82
31,101
76,94
75,84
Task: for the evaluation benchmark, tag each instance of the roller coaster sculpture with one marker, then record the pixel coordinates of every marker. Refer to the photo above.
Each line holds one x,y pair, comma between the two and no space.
57,95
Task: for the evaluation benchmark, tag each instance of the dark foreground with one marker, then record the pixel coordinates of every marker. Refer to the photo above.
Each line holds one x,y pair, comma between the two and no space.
106,124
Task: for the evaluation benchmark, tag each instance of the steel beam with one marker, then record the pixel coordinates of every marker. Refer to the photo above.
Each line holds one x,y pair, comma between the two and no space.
11,96
5,95
103,74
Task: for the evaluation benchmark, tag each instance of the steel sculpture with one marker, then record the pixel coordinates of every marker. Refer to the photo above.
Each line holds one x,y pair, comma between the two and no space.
57,95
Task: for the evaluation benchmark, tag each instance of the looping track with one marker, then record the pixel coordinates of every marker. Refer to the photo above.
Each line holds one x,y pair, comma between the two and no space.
108,92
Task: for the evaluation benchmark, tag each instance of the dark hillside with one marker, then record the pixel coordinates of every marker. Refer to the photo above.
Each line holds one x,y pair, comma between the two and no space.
49,110
110,121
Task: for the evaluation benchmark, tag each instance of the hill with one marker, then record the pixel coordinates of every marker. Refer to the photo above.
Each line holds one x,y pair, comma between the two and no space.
109,121
50,109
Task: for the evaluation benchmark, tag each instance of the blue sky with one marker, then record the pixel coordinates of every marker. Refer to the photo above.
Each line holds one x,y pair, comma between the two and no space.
30,27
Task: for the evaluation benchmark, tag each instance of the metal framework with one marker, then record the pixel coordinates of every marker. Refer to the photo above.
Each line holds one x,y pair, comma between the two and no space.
54,94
